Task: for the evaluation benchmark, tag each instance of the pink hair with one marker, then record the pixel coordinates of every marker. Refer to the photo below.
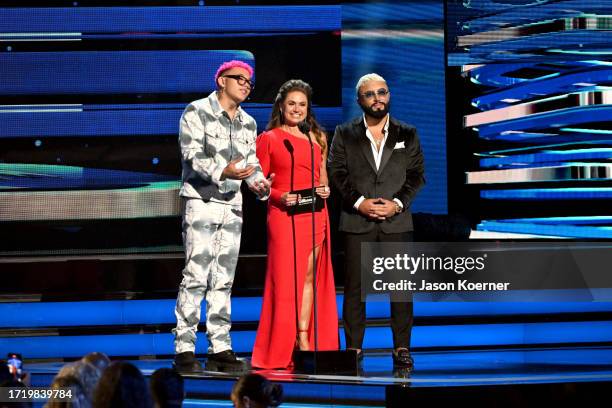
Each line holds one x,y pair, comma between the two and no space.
233,64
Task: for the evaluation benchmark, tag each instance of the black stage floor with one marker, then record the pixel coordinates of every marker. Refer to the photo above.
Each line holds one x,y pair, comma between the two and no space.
508,377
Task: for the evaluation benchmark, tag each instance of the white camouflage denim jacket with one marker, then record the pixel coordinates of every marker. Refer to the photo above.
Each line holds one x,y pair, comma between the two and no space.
209,140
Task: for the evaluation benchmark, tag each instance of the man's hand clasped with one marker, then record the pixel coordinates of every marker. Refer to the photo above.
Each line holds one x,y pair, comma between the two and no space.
378,208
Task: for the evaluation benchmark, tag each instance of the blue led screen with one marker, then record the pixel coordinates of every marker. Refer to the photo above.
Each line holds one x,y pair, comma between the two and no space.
530,86
90,99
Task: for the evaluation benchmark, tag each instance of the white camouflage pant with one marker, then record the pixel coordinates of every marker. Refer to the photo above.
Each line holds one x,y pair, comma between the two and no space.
211,236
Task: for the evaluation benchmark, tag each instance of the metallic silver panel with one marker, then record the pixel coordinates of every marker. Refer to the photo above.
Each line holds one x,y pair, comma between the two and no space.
571,171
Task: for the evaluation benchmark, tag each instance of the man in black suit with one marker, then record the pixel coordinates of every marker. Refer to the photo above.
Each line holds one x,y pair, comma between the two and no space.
376,164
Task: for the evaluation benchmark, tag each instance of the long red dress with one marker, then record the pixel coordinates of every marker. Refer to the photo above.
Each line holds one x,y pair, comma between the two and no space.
277,330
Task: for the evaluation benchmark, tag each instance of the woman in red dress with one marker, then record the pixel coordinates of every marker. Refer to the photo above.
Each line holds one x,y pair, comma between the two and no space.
287,323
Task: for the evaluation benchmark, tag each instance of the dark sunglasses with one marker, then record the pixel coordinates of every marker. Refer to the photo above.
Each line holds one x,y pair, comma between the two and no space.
382,92
241,80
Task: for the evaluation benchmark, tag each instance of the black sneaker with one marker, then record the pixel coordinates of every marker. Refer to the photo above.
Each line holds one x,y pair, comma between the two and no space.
186,363
224,361
402,358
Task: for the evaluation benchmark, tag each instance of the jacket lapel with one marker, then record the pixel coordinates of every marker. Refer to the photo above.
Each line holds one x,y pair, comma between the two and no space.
389,145
364,142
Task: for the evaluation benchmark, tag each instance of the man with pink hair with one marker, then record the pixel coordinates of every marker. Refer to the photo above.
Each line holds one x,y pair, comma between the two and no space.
217,141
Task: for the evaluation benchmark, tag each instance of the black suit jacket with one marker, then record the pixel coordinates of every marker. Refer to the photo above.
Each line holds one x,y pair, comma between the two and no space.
352,172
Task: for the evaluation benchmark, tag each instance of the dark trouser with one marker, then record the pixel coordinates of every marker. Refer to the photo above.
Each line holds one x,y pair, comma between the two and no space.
354,310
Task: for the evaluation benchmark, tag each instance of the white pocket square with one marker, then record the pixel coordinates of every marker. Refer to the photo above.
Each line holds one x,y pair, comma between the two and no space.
399,145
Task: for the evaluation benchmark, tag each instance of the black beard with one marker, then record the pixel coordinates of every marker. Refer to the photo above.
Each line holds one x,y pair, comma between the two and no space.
378,114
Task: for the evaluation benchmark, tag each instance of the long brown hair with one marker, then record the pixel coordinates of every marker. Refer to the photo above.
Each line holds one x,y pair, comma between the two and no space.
276,118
